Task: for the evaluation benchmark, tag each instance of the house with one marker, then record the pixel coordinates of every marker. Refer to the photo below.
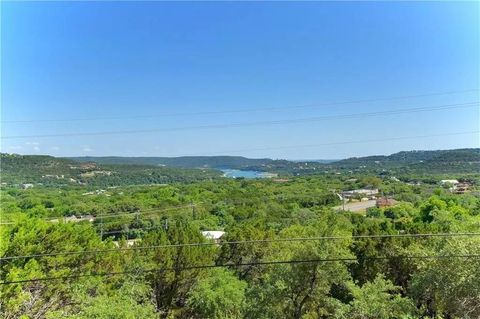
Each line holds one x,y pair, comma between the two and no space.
88,165
363,192
213,234
83,218
453,183
449,181
462,188
89,218
128,242
385,202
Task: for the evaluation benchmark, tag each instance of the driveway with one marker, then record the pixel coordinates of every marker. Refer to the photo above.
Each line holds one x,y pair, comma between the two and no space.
357,206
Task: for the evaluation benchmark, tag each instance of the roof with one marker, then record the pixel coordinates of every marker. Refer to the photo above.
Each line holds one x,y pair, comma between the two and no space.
450,181
213,234
362,191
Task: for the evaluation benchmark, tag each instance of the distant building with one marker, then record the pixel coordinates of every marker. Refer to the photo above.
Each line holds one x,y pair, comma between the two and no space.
363,192
213,234
83,218
128,242
385,202
88,165
449,181
462,188
453,183
89,218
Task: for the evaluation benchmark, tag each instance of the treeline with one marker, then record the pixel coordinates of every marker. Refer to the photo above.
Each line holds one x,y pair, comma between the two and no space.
52,171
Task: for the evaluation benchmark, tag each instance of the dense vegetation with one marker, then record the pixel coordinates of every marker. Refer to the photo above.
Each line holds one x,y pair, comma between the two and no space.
51,171
347,277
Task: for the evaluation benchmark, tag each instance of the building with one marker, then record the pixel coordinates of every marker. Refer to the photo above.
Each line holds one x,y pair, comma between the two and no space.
128,242
83,218
385,202
213,234
454,185
449,181
360,193
462,188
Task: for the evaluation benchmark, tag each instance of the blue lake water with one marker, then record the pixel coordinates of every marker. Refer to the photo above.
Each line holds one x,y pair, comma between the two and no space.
234,173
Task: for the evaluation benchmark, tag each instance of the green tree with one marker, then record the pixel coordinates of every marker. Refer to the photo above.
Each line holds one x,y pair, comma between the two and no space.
175,273
220,295
379,299
451,286
95,300
308,288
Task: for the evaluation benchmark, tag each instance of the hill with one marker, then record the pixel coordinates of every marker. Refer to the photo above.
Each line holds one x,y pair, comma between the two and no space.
414,157
418,162
183,161
52,171
112,171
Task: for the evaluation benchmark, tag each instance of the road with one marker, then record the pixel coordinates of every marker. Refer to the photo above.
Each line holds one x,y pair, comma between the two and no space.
357,206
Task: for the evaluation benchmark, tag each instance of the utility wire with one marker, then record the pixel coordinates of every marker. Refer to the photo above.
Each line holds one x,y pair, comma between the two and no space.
239,110
133,214
259,123
334,143
159,210
261,241
275,262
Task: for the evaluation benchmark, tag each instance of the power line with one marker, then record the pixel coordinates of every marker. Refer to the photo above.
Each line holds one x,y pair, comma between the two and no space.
258,123
261,241
316,145
275,262
305,197
239,110
335,143
133,214
55,219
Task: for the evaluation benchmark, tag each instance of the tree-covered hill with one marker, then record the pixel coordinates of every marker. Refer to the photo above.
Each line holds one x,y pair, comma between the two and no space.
449,160
237,162
49,170
459,160
111,171
414,157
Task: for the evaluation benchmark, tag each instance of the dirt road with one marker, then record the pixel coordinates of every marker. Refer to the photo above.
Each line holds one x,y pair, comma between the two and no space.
357,206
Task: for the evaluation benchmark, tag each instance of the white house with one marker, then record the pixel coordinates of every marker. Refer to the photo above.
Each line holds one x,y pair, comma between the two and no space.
213,234
449,181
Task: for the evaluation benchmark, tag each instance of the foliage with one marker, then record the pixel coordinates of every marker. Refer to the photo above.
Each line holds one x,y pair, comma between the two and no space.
220,295
349,275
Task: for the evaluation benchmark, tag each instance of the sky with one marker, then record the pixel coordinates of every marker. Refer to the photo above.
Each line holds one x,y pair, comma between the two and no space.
257,79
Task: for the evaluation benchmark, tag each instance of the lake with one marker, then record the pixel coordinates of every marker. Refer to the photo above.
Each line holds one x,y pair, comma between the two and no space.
234,173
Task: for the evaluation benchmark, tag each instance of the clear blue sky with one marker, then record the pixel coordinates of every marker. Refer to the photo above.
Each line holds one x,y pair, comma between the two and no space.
107,59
